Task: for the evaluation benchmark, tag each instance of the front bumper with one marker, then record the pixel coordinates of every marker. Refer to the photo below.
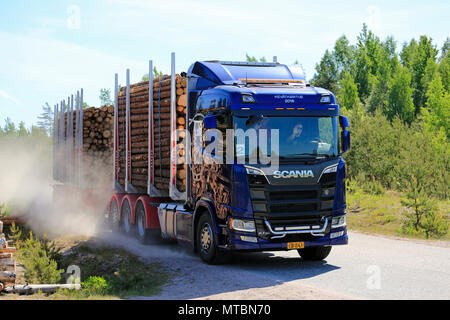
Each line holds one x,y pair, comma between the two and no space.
235,242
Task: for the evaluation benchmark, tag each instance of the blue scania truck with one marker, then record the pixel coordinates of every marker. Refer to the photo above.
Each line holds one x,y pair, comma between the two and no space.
239,205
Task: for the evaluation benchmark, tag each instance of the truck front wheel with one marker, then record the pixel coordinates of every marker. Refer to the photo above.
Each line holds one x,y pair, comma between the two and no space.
207,242
314,253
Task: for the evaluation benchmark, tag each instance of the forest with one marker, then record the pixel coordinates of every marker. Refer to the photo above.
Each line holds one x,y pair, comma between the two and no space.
398,103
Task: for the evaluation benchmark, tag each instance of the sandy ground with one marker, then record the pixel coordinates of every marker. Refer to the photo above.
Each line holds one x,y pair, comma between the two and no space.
370,267
195,280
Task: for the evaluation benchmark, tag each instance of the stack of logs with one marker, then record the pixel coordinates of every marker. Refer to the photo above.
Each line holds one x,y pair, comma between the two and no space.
7,262
98,144
139,97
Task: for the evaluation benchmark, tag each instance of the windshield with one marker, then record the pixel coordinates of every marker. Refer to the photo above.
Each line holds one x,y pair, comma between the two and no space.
299,137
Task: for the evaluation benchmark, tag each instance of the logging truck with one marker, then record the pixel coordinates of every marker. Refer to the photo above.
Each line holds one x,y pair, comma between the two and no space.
228,156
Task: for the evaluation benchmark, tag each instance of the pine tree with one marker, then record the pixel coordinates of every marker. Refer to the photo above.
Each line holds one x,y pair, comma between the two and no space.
10,127
326,73
348,94
425,51
156,74
400,103
437,112
105,97
46,119
444,70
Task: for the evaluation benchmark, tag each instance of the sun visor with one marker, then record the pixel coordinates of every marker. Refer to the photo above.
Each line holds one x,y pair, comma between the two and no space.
223,72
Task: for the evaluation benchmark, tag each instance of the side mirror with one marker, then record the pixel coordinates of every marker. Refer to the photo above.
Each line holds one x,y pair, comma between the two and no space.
344,122
210,122
345,135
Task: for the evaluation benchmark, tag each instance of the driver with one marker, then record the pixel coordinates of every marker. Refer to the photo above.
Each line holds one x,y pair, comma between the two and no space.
296,132
299,136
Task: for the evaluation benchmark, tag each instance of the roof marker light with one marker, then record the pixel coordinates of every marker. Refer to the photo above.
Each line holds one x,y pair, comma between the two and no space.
325,99
272,80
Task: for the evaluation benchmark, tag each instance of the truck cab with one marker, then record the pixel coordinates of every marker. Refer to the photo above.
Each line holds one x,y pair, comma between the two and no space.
272,173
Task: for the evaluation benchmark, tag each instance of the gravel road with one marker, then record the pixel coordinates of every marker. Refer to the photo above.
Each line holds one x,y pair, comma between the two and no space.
370,267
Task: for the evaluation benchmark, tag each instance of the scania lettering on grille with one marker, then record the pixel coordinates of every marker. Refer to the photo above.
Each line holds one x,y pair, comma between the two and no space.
293,174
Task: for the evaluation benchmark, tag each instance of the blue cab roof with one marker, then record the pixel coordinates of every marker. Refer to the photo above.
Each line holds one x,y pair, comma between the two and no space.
227,72
233,79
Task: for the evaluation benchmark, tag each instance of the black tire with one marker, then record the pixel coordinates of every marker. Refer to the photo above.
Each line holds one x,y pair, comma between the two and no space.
206,242
114,220
126,227
145,236
314,253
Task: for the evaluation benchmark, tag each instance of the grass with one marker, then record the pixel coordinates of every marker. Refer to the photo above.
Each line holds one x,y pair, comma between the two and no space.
5,210
121,273
381,213
106,273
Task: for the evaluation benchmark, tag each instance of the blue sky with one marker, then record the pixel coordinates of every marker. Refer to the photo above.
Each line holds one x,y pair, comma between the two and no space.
49,49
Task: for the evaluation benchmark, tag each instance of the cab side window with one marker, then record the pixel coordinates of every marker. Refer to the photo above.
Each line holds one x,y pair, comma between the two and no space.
214,105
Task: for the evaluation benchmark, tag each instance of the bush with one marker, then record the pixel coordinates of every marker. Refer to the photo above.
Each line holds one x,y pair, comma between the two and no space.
387,153
5,210
423,216
39,267
95,286
361,183
435,224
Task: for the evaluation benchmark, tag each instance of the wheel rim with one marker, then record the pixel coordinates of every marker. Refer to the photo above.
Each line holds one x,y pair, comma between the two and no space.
114,213
126,219
206,238
141,224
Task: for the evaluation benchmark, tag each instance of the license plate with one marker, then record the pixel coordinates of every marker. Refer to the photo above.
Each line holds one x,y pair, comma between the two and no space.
295,245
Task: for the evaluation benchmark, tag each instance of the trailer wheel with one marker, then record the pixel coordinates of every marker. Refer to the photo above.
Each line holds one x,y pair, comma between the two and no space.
314,253
144,235
114,216
207,242
126,226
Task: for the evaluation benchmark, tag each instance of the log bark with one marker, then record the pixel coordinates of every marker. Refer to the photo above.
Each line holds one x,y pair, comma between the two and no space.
7,277
44,288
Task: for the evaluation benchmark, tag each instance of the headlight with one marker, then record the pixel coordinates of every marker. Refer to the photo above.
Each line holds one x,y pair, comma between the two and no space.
251,170
330,169
338,222
242,225
256,176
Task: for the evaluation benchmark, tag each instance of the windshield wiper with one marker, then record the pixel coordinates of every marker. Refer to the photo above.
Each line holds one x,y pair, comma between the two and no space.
254,119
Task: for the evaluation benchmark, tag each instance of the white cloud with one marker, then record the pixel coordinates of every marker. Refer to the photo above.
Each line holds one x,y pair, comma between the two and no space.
3,94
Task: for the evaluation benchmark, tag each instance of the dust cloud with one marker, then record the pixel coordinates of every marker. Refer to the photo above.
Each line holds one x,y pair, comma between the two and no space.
59,210
47,206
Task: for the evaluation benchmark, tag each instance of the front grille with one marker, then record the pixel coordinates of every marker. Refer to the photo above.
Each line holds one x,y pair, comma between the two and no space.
290,206
293,195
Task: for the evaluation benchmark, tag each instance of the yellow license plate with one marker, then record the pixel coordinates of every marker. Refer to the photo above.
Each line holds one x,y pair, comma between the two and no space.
295,245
